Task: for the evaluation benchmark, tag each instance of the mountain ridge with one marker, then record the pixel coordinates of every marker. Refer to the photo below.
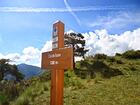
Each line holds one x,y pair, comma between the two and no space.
29,70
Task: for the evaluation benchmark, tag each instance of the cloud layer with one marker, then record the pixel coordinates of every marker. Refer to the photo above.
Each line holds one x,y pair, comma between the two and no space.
30,55
102,42
67,9
117,20
99,41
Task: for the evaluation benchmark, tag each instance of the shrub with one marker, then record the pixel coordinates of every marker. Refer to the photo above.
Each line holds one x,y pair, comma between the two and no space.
131,54
3,99
10,89
118,54
119,61
92,67
24,100
100,56
46,76
104,69
132,68
107,73
97,65
111,59
72,80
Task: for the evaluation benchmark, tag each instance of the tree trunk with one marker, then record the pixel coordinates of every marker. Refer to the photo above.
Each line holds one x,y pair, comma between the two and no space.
73,57
1,76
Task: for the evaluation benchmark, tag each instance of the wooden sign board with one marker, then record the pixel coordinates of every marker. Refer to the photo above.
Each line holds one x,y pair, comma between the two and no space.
58,59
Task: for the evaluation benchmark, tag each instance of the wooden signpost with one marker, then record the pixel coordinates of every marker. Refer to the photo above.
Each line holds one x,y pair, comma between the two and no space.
57,60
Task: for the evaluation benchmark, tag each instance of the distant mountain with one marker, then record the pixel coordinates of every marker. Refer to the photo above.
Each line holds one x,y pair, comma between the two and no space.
29,70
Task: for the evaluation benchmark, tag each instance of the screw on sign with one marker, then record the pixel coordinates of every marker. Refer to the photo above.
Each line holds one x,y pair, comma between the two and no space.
55,60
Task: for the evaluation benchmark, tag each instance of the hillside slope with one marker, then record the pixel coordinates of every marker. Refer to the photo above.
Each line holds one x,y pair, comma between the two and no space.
117,90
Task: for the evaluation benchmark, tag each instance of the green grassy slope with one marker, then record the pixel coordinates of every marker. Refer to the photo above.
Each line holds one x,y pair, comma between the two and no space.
115,89
118,90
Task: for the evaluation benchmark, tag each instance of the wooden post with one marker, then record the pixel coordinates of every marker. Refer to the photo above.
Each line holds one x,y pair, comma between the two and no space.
57,76
57,60
57,84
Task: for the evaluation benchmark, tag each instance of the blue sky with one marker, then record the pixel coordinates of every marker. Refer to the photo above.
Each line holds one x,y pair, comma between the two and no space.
28,23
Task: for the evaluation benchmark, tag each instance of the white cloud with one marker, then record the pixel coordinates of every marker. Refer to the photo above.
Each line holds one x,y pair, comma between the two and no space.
13,56
117,20
31,51
1,56
102,42
47,46
78,59
29,55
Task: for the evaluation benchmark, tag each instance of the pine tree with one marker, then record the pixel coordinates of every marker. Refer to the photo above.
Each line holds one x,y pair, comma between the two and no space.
77,42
